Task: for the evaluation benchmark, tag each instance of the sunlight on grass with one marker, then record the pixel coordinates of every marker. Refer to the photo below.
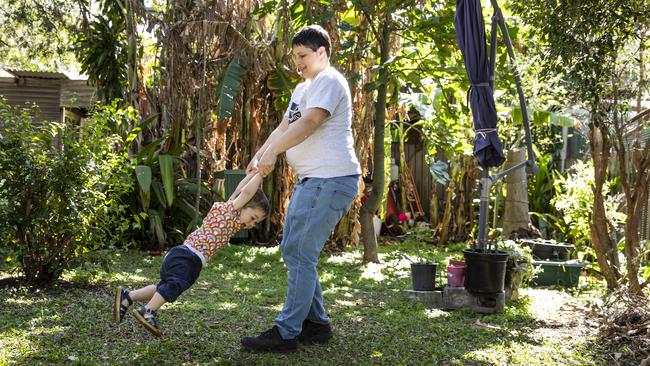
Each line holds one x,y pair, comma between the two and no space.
546,303
347,303
23,301
138,276
226,305
268,250
241,275
434,313
372,271
14,344
345,258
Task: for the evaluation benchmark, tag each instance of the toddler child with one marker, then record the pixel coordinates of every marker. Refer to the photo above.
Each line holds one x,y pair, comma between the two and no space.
181,266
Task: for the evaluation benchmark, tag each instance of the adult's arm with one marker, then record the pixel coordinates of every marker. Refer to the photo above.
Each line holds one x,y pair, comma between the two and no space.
274,136
297,132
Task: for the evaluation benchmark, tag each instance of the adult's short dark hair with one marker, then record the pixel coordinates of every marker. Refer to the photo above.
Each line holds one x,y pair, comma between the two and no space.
259,202
313,37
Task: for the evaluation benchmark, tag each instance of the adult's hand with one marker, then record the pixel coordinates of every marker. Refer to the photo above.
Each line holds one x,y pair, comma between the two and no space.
266,163
252,166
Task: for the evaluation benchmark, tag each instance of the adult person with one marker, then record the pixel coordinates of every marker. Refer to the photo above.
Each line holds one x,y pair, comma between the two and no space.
316,136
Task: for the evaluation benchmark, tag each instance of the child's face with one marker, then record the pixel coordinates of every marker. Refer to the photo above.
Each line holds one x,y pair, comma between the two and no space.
308,62
250,217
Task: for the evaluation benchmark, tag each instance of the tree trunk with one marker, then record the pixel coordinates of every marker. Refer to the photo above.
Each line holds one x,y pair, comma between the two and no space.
370,249
632,244
516,221
372,204
606,250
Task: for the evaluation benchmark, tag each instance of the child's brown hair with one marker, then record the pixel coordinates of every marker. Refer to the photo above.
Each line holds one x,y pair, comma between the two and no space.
259,202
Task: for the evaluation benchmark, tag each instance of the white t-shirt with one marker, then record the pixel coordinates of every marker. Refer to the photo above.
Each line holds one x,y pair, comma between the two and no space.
329,151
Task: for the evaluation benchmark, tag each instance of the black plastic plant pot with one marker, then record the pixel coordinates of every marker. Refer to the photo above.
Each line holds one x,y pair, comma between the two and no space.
423,276
544,249
485,272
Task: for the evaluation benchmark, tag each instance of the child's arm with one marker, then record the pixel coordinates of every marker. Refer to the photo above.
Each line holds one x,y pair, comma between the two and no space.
241,185
247,192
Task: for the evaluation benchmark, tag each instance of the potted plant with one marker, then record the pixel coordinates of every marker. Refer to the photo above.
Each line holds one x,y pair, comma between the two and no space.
423,272
485,270
519,267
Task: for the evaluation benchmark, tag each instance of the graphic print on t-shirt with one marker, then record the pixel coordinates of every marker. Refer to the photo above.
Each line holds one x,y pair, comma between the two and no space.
294,113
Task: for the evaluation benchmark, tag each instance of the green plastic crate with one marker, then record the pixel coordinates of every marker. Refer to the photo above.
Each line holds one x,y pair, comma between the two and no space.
563,273
232,178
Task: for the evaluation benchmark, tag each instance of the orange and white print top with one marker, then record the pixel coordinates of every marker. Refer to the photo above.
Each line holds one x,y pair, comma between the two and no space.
221,222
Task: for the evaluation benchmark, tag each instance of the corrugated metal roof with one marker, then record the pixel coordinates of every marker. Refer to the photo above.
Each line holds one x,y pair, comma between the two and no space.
36,74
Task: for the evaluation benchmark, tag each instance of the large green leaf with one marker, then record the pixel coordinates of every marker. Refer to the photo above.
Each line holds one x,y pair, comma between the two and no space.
149,150
541,118
279,80
228,88
565,121
143,174
439,171
136,130
156,226
157,189
167,175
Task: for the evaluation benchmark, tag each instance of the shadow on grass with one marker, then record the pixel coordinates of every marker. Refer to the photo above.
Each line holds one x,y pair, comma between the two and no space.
240,293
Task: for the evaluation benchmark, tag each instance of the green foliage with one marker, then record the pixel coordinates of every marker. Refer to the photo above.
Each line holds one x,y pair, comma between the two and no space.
541,190
59,193
574,200
143,174
167,176
583,41
103,51
419,238
228,87
160,212
35,35
439,171
520,262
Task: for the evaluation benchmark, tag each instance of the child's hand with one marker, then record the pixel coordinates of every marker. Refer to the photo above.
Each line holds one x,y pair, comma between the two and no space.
252,166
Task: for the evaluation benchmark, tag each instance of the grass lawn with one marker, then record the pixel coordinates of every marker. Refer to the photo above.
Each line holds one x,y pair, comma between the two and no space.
242,290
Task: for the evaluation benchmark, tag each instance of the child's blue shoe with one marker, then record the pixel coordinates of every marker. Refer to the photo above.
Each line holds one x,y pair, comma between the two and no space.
119,309
147,318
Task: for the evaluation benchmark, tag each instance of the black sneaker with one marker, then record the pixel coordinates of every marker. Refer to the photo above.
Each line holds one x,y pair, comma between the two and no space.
314,332
270,341
149,321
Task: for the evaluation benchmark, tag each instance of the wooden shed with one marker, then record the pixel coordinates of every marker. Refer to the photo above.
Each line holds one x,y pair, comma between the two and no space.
54,93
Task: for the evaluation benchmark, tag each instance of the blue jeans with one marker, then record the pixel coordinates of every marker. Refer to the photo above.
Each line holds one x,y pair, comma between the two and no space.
316,206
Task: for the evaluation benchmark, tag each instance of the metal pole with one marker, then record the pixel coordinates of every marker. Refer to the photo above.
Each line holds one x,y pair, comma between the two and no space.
483,213
532,168
502,174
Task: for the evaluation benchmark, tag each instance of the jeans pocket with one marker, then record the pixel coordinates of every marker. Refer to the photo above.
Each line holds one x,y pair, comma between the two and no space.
341,200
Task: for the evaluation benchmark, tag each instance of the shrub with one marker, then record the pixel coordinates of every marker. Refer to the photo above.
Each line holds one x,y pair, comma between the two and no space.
59,193
574,200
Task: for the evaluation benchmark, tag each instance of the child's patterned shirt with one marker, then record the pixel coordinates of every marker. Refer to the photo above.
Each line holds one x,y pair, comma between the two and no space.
218,226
